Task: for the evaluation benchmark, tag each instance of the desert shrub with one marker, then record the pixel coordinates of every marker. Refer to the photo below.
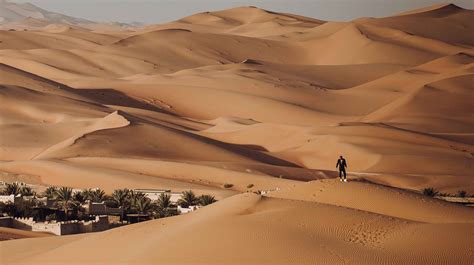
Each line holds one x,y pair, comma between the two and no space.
430,192
250,186
228,185
462,193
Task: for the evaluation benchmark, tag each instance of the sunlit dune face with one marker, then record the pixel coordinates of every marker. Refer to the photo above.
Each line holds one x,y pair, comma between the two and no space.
254,107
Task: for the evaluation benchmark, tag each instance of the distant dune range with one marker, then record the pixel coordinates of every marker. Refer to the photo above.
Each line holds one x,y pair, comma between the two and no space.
248,96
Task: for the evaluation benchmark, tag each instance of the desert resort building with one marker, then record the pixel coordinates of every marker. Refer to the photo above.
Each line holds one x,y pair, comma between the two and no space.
100,216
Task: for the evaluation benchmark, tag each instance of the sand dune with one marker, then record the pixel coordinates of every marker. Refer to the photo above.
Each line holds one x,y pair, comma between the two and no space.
244,21
249,96
442,17
318,232
11,233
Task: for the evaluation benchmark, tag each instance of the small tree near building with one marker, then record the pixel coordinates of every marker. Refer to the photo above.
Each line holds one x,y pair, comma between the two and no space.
206,200
188,198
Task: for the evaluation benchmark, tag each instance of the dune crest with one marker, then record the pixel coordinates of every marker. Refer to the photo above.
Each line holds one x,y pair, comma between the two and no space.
111,121
253,107
324,232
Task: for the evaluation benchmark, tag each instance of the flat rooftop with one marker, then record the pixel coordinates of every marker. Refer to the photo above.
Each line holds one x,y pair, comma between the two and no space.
151,190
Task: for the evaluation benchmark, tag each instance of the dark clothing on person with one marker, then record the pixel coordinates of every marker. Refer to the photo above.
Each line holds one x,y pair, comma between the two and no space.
341,172
341,165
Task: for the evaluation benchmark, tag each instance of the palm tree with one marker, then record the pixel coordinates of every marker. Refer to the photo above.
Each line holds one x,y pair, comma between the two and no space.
97,195
26,190
17,188
87,194
24,208
12,188
138,202
78,200
64,196
164,201
164,206
121,198
206,200
50,192
188,198
431,192
79,197
134,196
143,206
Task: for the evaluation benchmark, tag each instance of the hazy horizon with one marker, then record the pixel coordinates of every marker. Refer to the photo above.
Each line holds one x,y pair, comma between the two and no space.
160,11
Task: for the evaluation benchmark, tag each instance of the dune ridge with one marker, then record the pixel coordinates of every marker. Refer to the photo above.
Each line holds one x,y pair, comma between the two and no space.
113,120
381,238
261,100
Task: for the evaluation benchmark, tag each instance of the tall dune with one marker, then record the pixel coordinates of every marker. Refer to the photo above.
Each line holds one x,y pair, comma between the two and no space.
262,230
261,100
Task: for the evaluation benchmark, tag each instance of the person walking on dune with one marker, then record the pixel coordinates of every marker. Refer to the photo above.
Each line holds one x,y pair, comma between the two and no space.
341,165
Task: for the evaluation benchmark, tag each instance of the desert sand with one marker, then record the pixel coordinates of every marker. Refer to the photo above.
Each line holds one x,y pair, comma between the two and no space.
11,233
249,96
